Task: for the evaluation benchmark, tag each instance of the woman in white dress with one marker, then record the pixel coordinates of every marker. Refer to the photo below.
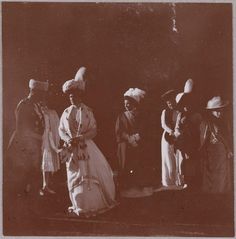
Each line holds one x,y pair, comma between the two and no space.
89,176
168,120
50,148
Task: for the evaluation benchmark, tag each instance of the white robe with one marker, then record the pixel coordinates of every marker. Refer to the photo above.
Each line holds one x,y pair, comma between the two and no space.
90,181
169,157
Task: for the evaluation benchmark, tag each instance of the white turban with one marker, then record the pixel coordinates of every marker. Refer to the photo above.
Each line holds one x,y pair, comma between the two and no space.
38,85
135,94
77,83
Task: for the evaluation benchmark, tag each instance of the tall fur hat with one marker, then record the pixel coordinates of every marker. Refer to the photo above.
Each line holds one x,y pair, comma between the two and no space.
38,85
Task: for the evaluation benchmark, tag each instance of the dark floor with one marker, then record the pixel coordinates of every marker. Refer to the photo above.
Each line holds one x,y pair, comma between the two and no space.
166,213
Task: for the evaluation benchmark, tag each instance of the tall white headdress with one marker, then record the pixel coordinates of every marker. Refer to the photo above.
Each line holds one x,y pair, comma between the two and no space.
77,83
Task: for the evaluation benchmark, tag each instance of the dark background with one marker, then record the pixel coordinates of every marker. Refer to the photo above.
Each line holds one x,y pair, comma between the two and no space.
122,45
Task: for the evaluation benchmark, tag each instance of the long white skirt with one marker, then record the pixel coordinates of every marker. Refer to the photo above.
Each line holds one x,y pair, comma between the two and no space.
169,167
90,183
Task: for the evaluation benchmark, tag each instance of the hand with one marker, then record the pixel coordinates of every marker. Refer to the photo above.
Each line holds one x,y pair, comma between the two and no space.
132,141
176,134
183,120
137,137
230,155
59,150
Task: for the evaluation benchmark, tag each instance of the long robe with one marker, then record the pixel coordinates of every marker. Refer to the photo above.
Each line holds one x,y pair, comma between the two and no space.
89,176
22,165
169,158
136,177
24,150
216,166
187,128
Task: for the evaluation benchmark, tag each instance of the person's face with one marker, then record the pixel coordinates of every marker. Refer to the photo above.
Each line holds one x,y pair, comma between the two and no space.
170,104
217,113
75,98
128,105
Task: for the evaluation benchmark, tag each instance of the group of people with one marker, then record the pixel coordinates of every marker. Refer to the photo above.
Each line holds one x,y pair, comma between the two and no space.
35,148
197,149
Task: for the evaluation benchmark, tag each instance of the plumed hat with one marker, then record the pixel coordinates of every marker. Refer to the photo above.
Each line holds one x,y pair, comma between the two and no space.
216,103
188,87
77,83
38,85
135,94
178,97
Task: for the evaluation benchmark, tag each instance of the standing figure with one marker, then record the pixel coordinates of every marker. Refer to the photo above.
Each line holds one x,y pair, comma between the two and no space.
216,148
187,141
130,138
24,150
89,176
22,168
168,121
50,147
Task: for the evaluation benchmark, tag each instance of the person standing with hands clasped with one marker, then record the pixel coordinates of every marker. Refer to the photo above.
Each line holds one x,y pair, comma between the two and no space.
89,176
168,152
216,148
130,130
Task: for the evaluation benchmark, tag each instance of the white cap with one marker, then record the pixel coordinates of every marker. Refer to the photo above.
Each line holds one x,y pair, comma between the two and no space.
135,94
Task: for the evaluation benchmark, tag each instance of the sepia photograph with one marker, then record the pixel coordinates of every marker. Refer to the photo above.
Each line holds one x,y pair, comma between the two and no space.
117,119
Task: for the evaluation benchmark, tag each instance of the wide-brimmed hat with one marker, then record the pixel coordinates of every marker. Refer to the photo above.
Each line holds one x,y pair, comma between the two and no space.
170,94
38,85
135,93
77,83
216,103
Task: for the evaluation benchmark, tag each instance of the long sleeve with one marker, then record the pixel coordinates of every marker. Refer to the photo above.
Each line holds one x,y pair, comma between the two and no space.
62,130
177,125
121,134
203,133
92,132
25,122
163,122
